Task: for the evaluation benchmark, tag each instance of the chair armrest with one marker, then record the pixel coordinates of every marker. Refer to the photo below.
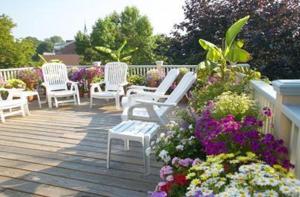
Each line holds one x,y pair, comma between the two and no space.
148,102
95,86
142,87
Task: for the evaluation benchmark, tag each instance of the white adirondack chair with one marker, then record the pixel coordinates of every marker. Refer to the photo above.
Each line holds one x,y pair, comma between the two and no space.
10,106
150,93
56,82
115,78
154,111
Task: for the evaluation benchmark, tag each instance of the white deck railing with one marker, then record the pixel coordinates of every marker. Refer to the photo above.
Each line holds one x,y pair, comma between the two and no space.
11,73
283,97
141,70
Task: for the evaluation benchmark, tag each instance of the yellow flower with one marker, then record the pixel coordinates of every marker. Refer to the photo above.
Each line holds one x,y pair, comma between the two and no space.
196,182
191,175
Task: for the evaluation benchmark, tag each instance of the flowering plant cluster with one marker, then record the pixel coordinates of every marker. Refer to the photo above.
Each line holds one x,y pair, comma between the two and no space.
30,77
229,135
232,103
154,76
240,175
178,141
174,180
85,76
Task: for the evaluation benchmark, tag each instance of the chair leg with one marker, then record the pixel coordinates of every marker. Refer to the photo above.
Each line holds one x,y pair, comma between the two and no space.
56,102
91,102
26,109
39,100
75,99
108,152
126,144
78,99
118,102
49,102
23,110
146,145
2,116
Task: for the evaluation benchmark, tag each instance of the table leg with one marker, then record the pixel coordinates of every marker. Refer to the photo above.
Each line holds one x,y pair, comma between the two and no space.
39,100
108,152
146,144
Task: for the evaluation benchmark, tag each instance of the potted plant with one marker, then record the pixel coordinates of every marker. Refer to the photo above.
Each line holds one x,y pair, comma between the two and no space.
31,78
154,77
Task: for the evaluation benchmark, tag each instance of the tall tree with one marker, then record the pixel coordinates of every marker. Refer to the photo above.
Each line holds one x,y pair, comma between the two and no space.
129,25
271,36
13,53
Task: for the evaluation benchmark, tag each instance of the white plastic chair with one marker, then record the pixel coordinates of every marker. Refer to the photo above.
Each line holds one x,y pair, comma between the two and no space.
115,78
10,106
154,111
150,93
56,82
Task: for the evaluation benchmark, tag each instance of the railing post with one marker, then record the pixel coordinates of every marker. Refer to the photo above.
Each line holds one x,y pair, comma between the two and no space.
287,93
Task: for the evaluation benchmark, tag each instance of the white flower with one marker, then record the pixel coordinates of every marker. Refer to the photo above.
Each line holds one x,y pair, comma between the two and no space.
164,155
285,190
179,147
162,135
152,143
190,126
170,178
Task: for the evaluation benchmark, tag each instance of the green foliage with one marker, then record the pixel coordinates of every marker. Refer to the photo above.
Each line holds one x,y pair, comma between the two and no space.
15,83
200,96
111,32
232,52
271,35
136,80
237,105
121,54
13,53
178,142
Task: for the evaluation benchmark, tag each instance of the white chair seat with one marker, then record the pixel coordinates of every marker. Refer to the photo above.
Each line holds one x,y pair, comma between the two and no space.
140,112
11,103
107,94
62,93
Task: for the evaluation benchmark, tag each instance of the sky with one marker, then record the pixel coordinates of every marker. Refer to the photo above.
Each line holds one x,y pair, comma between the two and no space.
45,18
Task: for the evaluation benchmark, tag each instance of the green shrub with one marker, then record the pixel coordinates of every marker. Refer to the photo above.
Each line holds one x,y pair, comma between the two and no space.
15,83
136,80
237,105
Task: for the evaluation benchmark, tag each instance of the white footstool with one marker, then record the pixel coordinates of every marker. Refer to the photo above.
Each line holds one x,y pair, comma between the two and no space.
133,130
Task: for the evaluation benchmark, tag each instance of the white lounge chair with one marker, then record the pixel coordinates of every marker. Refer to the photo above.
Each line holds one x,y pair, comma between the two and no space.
154,111
150,93
56,82
10,106
115,78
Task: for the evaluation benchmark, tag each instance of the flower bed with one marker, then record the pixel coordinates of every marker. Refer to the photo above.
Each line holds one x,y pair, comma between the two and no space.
218,149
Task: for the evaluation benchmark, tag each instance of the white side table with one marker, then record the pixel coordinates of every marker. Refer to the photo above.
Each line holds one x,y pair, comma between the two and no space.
27,94
132,130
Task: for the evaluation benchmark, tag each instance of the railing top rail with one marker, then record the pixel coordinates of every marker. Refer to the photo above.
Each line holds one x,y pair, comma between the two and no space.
265,89
292,112
15,69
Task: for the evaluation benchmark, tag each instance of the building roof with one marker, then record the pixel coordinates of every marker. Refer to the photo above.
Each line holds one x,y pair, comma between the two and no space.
68,59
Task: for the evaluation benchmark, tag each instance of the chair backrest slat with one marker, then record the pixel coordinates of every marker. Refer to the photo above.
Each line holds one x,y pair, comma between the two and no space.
115,74
55,75
167,82
181,89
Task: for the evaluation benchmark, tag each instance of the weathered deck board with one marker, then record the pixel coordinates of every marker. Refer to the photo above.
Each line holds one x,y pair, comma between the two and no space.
62,152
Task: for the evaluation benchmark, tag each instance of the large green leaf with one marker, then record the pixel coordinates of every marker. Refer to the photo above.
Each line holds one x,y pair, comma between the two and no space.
103,49
237,54
233,31
214,53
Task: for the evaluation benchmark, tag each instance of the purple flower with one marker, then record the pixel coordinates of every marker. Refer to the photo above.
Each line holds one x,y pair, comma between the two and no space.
185,162
267,111
158,194
175,160
165,170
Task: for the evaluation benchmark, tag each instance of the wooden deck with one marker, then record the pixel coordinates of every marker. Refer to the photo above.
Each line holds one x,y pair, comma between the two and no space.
62,152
